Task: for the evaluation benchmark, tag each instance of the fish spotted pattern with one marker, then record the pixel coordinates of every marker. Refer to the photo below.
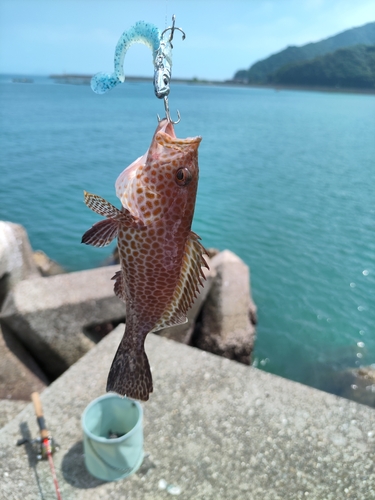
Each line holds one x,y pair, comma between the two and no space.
161,258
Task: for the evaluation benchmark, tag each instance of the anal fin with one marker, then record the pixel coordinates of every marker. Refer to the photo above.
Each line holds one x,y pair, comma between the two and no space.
119,285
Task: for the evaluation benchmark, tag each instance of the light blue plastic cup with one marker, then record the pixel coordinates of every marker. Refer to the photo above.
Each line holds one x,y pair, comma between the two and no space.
112,437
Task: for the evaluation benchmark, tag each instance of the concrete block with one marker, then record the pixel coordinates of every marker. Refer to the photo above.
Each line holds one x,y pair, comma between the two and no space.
357,384
218,430
227,329
45,265
16,257
49,315
19,373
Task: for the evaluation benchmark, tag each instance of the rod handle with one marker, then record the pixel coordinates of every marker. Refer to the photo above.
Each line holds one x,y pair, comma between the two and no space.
44,433
37,404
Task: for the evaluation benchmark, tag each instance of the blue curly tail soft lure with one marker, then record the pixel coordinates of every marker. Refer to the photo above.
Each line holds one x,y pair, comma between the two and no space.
141,32
149,35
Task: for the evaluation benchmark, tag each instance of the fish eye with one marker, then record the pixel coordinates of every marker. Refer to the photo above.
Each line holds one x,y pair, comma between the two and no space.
183,176
166,80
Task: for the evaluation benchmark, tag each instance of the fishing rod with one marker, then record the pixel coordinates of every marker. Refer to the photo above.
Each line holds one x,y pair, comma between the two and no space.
47,444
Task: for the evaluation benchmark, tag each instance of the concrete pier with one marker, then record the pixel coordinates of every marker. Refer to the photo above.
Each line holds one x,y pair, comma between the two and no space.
215,428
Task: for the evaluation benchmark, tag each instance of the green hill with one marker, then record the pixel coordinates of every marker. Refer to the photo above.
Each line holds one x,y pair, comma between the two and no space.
260,71
352,67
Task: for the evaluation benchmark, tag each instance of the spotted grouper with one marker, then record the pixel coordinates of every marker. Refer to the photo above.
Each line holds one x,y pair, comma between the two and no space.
161,258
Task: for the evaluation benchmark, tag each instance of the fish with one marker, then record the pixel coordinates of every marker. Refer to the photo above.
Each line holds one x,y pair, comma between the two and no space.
161,258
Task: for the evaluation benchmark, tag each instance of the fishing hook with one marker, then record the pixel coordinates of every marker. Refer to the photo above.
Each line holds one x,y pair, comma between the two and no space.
173,28
167,113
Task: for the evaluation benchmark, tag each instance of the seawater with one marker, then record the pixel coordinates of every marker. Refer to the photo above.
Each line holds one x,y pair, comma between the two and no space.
287,181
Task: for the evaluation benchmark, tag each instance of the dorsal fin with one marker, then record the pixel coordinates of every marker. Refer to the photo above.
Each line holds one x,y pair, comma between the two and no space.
187,288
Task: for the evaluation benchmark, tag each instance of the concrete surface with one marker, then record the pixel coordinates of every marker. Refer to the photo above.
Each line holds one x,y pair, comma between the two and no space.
216,428
9,408
49,315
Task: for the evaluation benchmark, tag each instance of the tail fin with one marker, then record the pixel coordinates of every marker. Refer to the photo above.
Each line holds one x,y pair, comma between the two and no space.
130,374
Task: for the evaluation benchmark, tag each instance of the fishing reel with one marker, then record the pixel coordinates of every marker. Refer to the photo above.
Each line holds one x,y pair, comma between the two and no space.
41,447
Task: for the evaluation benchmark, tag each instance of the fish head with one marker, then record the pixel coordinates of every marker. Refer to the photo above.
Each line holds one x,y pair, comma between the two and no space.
164,179
171,172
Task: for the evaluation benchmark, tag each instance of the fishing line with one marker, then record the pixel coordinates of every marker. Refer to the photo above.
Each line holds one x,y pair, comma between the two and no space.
166,14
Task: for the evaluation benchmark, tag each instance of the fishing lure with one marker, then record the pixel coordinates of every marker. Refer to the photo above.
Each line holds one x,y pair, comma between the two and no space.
149,35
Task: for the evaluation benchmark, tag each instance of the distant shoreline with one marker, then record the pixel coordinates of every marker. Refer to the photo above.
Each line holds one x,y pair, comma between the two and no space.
85,80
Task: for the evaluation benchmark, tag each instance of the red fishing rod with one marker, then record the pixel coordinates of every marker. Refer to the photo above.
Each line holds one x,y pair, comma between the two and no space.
46,441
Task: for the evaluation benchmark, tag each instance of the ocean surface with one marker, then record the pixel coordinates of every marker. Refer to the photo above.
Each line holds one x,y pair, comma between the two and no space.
287,181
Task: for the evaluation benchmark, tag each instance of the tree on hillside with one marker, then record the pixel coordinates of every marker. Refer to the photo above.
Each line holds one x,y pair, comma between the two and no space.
353,67
260,71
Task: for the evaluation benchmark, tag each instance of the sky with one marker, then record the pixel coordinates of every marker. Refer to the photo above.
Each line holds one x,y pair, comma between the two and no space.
43,37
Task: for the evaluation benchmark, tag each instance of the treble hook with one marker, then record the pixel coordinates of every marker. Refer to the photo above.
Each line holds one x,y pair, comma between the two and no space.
167,113
173,28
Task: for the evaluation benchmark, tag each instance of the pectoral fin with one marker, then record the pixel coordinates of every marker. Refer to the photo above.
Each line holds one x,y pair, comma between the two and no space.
101,234
104,231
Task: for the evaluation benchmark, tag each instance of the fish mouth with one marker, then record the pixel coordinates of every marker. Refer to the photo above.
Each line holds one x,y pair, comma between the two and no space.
169,129
166,136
